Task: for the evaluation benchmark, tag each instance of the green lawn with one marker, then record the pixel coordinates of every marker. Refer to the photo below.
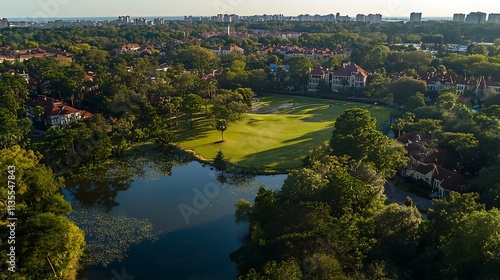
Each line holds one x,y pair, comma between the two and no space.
276,134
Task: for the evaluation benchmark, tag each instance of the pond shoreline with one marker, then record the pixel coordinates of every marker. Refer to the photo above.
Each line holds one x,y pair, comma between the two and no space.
191,155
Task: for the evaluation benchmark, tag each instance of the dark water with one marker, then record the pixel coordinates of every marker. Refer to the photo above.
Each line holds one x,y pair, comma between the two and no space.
195,245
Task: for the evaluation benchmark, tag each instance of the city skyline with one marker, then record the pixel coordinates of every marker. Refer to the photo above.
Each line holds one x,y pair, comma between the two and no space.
388,8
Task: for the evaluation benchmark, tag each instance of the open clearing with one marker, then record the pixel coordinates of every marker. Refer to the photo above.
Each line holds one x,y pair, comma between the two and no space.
277,133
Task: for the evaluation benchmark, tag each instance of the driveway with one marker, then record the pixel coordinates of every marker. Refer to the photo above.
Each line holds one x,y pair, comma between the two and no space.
399,196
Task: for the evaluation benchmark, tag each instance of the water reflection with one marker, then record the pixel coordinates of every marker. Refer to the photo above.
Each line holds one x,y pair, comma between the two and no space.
143,189
100,185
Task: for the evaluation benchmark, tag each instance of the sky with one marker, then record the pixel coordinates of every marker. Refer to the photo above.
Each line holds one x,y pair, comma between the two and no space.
134,8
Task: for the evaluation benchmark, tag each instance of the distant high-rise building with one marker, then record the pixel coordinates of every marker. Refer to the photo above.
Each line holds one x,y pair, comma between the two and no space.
159,21
4,23
124,20
477,18
494,18
228,30
360,18
459,17
338,17
140,21
415,17
374,18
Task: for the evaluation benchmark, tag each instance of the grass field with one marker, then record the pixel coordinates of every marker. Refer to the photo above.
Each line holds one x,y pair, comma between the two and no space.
277,133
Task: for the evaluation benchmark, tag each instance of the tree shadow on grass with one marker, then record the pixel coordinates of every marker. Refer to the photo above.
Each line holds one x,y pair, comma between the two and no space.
287,156
200,129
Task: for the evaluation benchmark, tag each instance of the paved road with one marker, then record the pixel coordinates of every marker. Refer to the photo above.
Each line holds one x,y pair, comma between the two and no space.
399,196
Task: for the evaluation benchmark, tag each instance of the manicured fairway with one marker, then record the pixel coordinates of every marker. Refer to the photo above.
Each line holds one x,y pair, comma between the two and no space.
277,134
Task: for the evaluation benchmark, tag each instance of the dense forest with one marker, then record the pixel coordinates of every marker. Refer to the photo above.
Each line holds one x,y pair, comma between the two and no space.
331,219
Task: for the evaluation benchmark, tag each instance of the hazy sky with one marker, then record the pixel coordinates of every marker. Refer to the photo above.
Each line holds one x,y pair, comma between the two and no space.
99,8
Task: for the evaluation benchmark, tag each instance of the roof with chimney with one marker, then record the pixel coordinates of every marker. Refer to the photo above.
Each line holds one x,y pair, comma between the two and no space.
450,181
51,106
318,71
350,69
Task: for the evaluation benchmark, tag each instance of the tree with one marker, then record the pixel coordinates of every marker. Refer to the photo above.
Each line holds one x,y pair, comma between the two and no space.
289,270
199,59
46,231
50,238
407,118
165,137
477,234
460,142
191,105
428,126
447,100
355,135
415,101
404,88
221,125
396,229
14,131
228,106
299,71
220,162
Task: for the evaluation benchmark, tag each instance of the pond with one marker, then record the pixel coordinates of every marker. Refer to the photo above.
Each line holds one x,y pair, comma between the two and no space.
187,213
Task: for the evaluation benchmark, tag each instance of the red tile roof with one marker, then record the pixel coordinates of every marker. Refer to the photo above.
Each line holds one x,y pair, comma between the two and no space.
350,69
450,180
424,168
52,107
414,137
318,71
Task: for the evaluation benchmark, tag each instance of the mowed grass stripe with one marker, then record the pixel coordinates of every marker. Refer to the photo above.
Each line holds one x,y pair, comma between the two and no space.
277,135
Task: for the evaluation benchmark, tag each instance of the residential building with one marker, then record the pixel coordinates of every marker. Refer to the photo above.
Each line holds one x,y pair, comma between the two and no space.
274,68
426,165
4,23
56,112
7,54
317,75
338,17
129,48
159,21
226,50
439,81
415,17
371,18
494,18
349,75
459,17
476,18
360,18
488,84
374,18
141,21
124,20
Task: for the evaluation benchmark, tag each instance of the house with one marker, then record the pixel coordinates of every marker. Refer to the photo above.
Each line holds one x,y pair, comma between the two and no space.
55,111
349,75
439,81
446,181
146,48
317,75
129,48
274,68
226,50
427,165
488,84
